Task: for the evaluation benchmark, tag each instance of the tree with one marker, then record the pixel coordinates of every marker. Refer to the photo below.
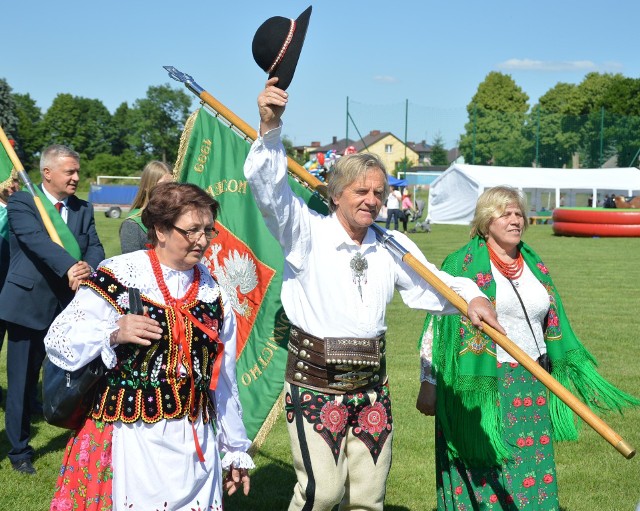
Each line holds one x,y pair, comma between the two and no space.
494,133
126,164
29,133
157,122
439,154
8,118
80,123
290,150
552,123
122,127
403,165
622,104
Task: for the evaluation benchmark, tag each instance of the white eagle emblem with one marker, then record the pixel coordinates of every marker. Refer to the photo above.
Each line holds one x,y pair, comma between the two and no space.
237,275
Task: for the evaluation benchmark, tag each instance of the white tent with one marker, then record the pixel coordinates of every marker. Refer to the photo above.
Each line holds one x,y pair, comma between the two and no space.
453,195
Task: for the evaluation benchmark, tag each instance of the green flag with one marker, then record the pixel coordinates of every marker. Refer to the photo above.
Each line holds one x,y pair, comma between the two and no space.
245,259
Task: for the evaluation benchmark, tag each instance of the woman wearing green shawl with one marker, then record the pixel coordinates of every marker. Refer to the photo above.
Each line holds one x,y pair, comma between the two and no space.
133,233
494,420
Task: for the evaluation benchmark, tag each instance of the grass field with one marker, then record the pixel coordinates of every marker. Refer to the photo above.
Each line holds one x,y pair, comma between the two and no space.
599,281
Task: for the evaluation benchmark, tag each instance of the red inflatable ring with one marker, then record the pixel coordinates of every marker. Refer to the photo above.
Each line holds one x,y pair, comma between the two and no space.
597,216
602,222
601,230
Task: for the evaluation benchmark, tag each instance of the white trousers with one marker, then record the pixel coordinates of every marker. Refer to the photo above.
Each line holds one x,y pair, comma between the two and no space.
356,481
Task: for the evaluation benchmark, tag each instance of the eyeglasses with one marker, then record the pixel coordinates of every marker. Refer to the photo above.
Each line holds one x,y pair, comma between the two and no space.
194,235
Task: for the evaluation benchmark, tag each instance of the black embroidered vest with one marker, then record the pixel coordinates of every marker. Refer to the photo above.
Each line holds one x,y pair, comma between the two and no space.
145,384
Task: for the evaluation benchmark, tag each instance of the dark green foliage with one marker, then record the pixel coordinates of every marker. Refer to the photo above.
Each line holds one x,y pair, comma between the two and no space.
494,134
438,152
582,125
157,122
28,136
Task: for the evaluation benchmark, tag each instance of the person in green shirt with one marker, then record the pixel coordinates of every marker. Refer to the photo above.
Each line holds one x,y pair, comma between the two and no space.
133,234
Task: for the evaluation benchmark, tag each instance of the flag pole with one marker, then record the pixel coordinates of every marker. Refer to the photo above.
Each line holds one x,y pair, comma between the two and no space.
28,183
389,242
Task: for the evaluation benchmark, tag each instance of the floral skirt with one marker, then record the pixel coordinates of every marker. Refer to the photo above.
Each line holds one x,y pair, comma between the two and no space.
528,482
85,478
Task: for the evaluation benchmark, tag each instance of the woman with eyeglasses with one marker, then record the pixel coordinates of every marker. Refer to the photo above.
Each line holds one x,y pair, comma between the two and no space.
166,422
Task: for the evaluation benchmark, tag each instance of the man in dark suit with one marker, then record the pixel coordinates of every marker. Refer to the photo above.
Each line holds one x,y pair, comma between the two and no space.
41,281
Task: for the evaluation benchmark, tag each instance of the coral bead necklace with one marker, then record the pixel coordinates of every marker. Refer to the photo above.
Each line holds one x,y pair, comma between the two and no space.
191,293
512,270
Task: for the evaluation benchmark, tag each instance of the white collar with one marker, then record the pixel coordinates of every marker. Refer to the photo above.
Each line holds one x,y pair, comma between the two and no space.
339,236
52,198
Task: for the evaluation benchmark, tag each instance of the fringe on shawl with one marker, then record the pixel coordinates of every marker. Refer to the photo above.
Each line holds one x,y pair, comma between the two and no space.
577,372
474,431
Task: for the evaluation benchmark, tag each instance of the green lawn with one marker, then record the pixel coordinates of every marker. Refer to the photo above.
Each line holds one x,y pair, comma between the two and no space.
599,280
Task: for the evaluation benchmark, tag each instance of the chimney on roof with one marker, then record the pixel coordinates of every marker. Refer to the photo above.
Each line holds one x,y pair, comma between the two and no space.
315,144
374,133
335,140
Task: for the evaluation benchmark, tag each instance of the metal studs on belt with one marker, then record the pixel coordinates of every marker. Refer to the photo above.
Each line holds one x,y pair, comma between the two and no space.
304,354
300,365
297,376
307,342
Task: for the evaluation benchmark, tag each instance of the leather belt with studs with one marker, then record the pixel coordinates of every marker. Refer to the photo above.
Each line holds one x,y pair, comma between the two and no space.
335,365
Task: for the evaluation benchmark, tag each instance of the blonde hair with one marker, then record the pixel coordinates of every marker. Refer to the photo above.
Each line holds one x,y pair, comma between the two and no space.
349,168
151,174
492,204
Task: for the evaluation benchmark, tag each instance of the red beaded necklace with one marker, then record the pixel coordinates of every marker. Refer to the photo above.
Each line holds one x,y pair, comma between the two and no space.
179,329
191,293
512,270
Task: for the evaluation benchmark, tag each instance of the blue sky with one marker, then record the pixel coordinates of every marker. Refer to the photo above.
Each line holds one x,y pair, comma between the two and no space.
377,53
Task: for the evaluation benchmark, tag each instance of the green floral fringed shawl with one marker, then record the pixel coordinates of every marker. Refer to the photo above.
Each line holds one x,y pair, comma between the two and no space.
465,365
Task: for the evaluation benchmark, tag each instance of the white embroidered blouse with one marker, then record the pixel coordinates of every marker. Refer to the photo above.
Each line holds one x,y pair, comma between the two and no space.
81,333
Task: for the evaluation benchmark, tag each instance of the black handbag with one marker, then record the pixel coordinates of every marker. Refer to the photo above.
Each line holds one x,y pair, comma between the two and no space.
67,396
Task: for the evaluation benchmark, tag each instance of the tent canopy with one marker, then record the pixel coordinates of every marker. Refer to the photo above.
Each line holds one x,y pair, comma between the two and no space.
453,195
398,183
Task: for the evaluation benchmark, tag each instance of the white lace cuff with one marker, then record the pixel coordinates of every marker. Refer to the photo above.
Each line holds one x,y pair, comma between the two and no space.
108,352
426,372
238,460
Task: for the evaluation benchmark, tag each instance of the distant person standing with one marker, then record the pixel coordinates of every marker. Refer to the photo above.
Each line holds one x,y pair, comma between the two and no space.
41,281
609,201
407,209
393,207
133,233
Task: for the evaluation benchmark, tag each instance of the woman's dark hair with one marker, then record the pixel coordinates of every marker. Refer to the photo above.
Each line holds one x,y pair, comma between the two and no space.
168,201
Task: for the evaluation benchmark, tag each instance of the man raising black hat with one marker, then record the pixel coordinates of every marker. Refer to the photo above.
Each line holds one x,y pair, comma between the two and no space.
337,283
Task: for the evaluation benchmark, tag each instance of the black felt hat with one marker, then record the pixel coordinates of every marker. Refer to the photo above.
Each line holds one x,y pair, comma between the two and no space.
277,45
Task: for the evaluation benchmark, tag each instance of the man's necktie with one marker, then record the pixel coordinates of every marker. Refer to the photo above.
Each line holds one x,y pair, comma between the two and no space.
59,206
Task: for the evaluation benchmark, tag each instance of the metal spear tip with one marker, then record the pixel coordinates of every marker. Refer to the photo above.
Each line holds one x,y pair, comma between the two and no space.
184,78
178,75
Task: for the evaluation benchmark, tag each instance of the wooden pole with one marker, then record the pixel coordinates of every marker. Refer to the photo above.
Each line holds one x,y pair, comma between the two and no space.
582,410
27,182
